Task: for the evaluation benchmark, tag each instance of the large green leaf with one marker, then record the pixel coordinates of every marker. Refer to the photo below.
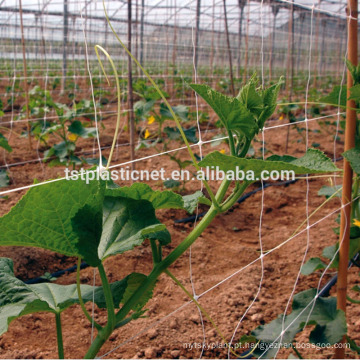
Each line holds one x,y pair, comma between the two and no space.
129,217
232,113
48,214
337,96
140,191
330,323
19,299
314,161
353,157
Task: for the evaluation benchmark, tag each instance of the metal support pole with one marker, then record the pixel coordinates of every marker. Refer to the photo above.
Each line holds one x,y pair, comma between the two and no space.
131,122
142,32
350,129
196,50
65,38
229,50
25,75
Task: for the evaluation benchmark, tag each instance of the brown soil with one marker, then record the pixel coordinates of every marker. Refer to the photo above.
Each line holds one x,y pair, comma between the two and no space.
222,252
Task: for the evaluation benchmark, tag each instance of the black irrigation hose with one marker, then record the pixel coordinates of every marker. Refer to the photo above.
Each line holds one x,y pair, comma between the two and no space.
56,274
240,200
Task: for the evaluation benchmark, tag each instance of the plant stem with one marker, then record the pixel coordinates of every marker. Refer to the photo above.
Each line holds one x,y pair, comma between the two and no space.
81,301
59,336
108,297
106,331
234,197
165,263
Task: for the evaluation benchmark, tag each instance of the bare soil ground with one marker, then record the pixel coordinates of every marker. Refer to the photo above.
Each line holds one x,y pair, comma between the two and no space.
219,261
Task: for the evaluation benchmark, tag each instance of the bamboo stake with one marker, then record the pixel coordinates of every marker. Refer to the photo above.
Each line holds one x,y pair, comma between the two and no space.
131,122
25,75
229,51
352,12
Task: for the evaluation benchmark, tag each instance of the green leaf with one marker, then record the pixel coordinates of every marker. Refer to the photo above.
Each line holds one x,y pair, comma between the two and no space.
337,97
44,218
191,201
4,178
355,93
233,115
19,299
354,71
249,97
314,161
61,150
330,251
78,129
181,111
4,143
330,323
312,265
174,134
140,191
129,217
330,191
353,157
142,108
269,96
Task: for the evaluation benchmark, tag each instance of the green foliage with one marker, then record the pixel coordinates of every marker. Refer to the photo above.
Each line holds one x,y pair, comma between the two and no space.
4,143
18,299
330,324
353,157
314,161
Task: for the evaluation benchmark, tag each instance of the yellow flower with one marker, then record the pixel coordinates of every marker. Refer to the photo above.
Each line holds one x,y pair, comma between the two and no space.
281,117
222,151
357,222
151,119
147,134
72,137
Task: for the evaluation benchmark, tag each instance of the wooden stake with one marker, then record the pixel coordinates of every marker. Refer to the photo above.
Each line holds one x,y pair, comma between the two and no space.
25,75
352,12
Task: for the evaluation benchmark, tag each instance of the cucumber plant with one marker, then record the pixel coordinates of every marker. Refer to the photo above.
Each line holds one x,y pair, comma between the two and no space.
98,220
330,323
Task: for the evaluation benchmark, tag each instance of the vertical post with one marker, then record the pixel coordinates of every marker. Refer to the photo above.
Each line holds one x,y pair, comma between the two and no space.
316,44
247,42
196,50
212,38
274,10
131,122
25,75
322,64
65,37
142,32
241,7
302,18
289,67
350,129
229,50
174,40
